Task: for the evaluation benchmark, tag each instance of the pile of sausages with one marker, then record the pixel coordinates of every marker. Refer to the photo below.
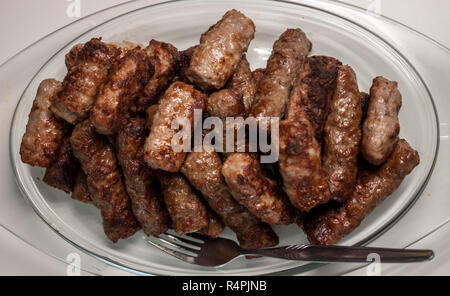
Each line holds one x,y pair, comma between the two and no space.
105,135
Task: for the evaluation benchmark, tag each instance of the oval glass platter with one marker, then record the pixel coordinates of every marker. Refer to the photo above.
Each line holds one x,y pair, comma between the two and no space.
181,24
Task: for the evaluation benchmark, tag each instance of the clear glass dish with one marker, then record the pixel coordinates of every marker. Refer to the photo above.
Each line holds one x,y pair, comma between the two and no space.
181,23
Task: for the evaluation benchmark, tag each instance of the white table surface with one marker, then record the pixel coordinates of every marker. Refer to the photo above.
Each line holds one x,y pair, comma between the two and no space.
24,22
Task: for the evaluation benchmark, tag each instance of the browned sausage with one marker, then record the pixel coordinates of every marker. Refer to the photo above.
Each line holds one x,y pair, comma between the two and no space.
381,127
150,112
125,46
179,101
164,58
80,190
215,224
186,209
104,181
300,164
312,92
288,54
80,86
220,50
373,186
342,135
243,84
258,75
146,201
62,172
44,132
204,172
225,103
126,80
184,60
251,188
72,55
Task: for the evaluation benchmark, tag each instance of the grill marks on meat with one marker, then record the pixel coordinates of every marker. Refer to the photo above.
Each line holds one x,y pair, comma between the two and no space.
381,127
222,104
146,202
313,90
72,55
80,190
124,47
184,59
300,164
251,188
104,181
243,84
150,112
328,226
62,172
225,103
288,54
44,132
179,101
164,58
126,80
81,84
258,75
342,135
204,172
139,179
220,50
186,209
215,224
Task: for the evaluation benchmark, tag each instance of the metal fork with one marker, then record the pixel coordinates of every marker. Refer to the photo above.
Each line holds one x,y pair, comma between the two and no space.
202,250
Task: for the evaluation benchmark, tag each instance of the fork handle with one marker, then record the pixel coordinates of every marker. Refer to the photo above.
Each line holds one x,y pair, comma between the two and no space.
342,254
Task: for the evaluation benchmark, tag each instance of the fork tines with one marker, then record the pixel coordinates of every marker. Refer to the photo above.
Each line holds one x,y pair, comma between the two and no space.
186,247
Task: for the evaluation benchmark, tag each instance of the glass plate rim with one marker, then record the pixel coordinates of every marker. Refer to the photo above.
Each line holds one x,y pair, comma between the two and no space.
337,2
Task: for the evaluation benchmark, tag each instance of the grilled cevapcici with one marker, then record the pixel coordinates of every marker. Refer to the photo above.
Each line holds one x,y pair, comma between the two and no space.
105,135
104,181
